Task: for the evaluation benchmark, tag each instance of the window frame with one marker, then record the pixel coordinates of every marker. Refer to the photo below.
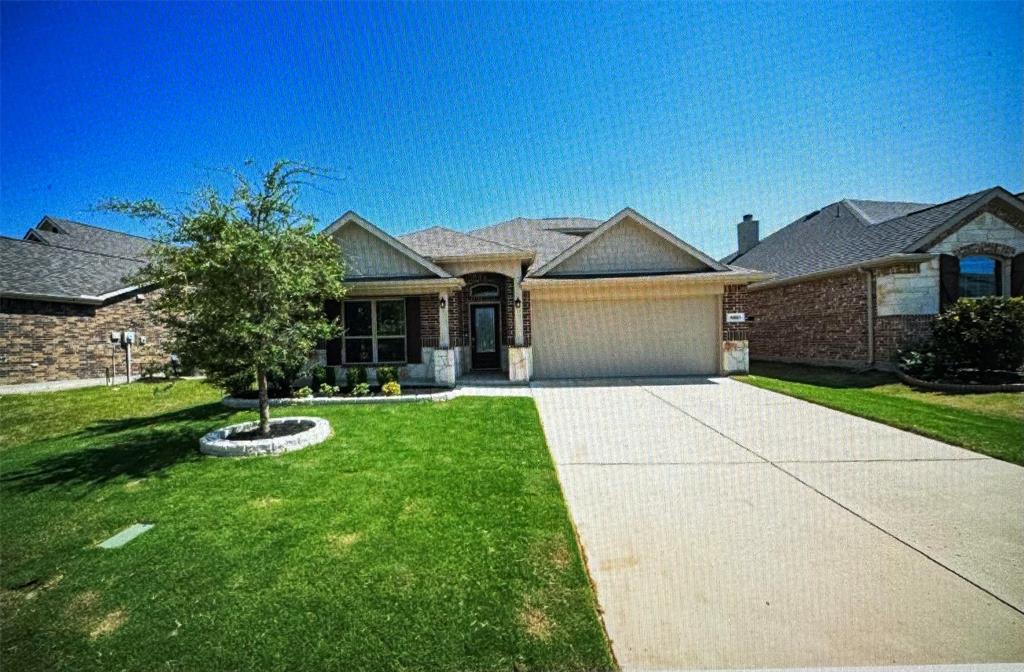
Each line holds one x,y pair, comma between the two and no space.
493,294
997,271
374,337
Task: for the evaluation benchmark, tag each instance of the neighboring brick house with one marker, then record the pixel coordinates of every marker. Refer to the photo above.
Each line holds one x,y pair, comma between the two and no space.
63,290
857,280
536,298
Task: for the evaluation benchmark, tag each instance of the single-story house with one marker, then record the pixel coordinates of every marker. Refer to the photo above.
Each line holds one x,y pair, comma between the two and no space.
537,298
63,291
856,280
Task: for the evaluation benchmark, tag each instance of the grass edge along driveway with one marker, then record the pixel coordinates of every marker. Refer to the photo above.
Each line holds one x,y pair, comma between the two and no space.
428,536
991,423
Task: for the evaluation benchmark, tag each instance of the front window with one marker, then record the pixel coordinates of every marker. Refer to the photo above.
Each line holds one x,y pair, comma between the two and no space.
375,331
979,276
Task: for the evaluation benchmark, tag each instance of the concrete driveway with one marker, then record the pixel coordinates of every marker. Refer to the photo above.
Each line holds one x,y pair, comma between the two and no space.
727,526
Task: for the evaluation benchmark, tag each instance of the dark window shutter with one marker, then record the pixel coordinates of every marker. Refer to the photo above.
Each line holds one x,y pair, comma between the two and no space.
333,310
999,277
413,339
1017,276
949,280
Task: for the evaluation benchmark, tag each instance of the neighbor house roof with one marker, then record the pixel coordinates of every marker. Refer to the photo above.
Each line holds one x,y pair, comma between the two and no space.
60,232
438,242
31,269
853,231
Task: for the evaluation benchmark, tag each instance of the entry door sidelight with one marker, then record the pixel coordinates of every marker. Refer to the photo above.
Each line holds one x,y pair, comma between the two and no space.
484,336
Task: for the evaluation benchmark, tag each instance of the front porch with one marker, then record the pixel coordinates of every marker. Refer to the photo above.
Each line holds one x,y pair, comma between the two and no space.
434,331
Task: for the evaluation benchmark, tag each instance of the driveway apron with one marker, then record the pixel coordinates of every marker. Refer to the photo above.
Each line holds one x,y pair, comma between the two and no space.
727,526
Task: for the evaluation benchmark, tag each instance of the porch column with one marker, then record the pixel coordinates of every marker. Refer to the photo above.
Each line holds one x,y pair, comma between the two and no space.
446,365
443,338
517,311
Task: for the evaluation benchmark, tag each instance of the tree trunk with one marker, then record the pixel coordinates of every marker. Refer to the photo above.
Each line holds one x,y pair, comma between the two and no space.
261,377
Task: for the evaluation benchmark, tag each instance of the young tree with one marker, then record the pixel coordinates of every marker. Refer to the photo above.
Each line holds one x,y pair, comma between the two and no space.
244,278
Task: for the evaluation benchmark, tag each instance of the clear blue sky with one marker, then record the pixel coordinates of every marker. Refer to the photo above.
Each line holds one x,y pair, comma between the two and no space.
462,115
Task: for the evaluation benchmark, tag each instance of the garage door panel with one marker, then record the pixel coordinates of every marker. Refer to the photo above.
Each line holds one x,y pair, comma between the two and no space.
651,337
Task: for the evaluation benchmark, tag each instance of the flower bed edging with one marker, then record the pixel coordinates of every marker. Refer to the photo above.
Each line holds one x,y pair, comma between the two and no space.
957,387
215,443
445,395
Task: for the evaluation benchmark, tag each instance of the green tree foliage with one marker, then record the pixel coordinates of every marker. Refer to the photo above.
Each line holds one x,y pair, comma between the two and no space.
244,277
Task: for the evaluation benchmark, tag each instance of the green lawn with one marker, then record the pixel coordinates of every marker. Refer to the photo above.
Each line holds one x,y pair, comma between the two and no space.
427,536
991,424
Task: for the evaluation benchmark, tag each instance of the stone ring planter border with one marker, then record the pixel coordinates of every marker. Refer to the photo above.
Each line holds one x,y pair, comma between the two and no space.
217,444
444,395
957,387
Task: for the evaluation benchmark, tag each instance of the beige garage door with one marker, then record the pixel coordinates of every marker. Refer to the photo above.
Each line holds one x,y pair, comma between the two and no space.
654,337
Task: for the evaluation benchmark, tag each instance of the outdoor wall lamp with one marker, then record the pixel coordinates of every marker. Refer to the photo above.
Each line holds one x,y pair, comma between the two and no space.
444,303
519,302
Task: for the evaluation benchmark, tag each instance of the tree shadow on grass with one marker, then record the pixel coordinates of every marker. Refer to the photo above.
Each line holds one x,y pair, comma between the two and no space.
112,449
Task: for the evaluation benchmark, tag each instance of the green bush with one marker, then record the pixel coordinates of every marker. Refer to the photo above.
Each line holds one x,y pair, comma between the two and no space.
240,383
281,376
327,390
332,376
982,334
361,390
391,389
304,392
386,374
317,375
355,375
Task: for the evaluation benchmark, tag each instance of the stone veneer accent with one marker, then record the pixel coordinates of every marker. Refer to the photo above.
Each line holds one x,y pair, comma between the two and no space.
43,341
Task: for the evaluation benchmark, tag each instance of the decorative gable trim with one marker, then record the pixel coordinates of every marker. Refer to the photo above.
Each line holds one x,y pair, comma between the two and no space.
633,215
996,201
353,218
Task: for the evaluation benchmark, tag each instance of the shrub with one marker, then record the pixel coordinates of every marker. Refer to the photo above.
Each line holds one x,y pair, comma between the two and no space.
281,376
984,334
327,390
304,392
386,374
240,383
332,376
361,390
317,375
355,375
391,389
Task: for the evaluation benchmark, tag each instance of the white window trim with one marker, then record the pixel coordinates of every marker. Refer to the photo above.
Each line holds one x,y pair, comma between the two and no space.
373,333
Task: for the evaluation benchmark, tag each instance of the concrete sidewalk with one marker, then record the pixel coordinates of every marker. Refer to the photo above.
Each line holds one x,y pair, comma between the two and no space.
726,526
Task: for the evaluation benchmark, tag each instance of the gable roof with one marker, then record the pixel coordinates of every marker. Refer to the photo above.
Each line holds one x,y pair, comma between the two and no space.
621,216
439,242
59,232
849,232
546,238
353,218
31,269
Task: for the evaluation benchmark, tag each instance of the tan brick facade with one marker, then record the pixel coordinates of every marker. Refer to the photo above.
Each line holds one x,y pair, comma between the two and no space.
43,341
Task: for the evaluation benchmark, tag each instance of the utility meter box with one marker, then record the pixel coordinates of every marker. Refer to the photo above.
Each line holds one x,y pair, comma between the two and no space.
128,337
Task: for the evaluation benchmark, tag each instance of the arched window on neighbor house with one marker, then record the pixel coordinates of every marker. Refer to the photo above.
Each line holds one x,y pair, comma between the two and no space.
980,276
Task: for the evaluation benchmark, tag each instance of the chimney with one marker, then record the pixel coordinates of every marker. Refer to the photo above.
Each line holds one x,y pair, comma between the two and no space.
747,234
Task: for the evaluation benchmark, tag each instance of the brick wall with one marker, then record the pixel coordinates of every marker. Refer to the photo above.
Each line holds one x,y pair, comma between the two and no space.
43,341
820,321
894,331
734,300
430,325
